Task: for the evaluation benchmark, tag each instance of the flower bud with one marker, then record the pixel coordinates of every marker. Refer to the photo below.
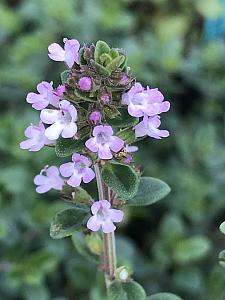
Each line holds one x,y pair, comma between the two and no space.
122,273
85,83
105,98
124,79
95,117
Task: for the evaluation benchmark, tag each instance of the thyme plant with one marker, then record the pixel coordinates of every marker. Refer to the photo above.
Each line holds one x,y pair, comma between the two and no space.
94,118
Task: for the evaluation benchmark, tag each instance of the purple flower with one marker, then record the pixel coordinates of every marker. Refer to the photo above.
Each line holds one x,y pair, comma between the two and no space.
130,149
95,117
46,96
60,90
78,170
69,54
149,126
62,120
85,83
104,216
104,141
144,102
52,180
36,138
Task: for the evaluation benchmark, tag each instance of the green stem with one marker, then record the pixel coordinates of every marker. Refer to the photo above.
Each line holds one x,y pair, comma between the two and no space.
109,245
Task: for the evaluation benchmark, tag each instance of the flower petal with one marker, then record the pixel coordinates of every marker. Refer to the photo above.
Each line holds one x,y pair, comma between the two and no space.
93,223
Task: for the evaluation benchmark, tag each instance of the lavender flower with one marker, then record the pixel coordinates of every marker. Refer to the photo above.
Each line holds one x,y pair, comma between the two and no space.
144,102
69,54
104,142
62,120
36,138
85,83
130,149
149,126
46,96
104,216
52,180
78,170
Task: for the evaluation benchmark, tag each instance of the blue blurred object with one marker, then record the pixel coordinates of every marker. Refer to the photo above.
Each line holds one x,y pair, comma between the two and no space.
214,29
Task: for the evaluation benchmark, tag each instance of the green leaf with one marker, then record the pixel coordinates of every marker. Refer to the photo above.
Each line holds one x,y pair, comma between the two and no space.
66,147
105,59
81,244
222,258
127,135
100,48
84,96
122,179
123,119
99,68
81,196
126,291
111,112
114,53
222,227
34,267
191,249
115,63
67,221
64,76
164,296
150,190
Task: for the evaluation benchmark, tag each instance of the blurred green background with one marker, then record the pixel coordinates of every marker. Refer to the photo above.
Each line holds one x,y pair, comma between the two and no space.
178,46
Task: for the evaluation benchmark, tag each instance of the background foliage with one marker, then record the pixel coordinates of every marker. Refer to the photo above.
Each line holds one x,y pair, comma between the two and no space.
173,245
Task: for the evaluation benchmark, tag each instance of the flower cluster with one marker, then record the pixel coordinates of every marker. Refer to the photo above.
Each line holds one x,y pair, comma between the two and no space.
96,88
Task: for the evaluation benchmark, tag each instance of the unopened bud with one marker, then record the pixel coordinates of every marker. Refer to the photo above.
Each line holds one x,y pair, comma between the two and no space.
105,98
85,84
95,117
122,273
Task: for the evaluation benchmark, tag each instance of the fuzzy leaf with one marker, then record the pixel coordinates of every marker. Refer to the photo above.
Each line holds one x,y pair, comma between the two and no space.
111,112
150,190
66,147
105,59
126,291
81,244
222,227
100,48
164,296
115,63
84,96
99,68
127,135
222,258
122,179
123,119
67,221
64,76
191,249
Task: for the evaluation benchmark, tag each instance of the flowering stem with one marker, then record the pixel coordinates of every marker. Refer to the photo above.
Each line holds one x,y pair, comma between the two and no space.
109,245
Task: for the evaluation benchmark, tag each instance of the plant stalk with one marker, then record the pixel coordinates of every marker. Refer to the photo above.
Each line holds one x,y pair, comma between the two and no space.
109,244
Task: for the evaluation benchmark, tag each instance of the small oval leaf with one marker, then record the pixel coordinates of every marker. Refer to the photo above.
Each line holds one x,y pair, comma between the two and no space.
100,48
222,258
66,147
164,296
222,227
67,221
126,291
123,119
122,179
150,190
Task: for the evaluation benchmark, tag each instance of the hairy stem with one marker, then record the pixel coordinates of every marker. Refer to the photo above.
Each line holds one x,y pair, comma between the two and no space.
109,245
